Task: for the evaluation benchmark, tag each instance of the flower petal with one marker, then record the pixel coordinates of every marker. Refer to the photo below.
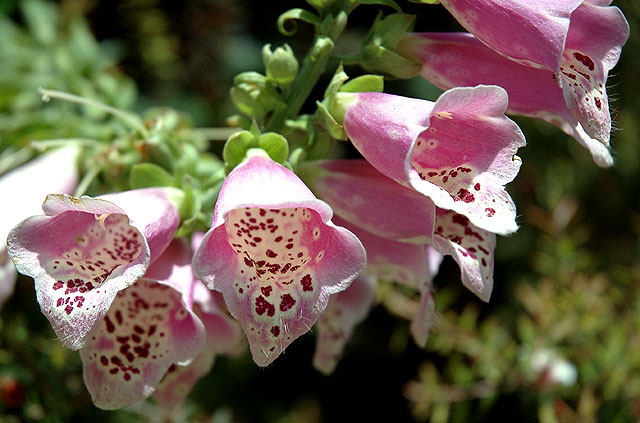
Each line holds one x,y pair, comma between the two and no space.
593,47
429,149
86,250
275,255
24,188
222,336
471,247
345,310
360,194
409,265
147,330
459,59
531,32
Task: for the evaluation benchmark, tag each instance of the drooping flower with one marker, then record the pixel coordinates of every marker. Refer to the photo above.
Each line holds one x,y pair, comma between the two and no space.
352,183
459,151
149,329
358,193
82,251
275,255
22,191
553,58
334,328
222,333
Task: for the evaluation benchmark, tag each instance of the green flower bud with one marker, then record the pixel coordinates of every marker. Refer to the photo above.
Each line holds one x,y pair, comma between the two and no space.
281,64
253,94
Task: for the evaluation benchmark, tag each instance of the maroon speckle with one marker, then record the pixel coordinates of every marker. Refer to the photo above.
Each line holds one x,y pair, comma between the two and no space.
275,330
598,102
110,326
58,285
287,302
271,254
263,306
306,283
460,219
465,196
266,290
477,187
104,360
585,60
490,212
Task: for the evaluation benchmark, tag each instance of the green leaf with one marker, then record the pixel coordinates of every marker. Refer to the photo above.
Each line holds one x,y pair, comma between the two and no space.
144,175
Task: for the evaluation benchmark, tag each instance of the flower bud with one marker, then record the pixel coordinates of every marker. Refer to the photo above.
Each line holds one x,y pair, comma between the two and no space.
281,64
253,95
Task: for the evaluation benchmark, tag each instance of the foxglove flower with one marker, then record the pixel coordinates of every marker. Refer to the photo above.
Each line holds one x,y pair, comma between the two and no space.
410,265
82,251
24,188
275,255
458,151
222,333
149,329
553,60
358,193
343,313
352,183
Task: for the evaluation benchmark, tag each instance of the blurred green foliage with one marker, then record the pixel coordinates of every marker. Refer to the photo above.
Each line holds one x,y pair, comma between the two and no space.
567,284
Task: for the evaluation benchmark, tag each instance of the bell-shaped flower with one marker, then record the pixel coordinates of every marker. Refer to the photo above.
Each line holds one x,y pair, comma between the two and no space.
357,192
552,58
449,233
22,191
149,329
459,151
344,312
408,265
82,251
222,333
275,255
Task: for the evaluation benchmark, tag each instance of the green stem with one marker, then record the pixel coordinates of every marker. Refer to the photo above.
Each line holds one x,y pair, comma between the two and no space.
131,119
312,68
88,177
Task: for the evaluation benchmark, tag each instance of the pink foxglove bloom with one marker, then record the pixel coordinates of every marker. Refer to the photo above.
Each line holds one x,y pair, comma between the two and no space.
222,332
410,265
24,188
275,255
358,193
449,233
553,58
459,151
334,328
82,251
149,329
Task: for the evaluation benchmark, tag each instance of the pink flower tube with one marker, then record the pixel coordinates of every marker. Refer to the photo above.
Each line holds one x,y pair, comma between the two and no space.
459,151
553,58
275,255
150,329
82,251
371,202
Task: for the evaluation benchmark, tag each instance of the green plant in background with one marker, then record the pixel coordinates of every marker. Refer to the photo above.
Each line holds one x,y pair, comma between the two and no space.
557,344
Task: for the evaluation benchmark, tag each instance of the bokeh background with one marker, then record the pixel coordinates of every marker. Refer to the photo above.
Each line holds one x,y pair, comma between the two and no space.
558,342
